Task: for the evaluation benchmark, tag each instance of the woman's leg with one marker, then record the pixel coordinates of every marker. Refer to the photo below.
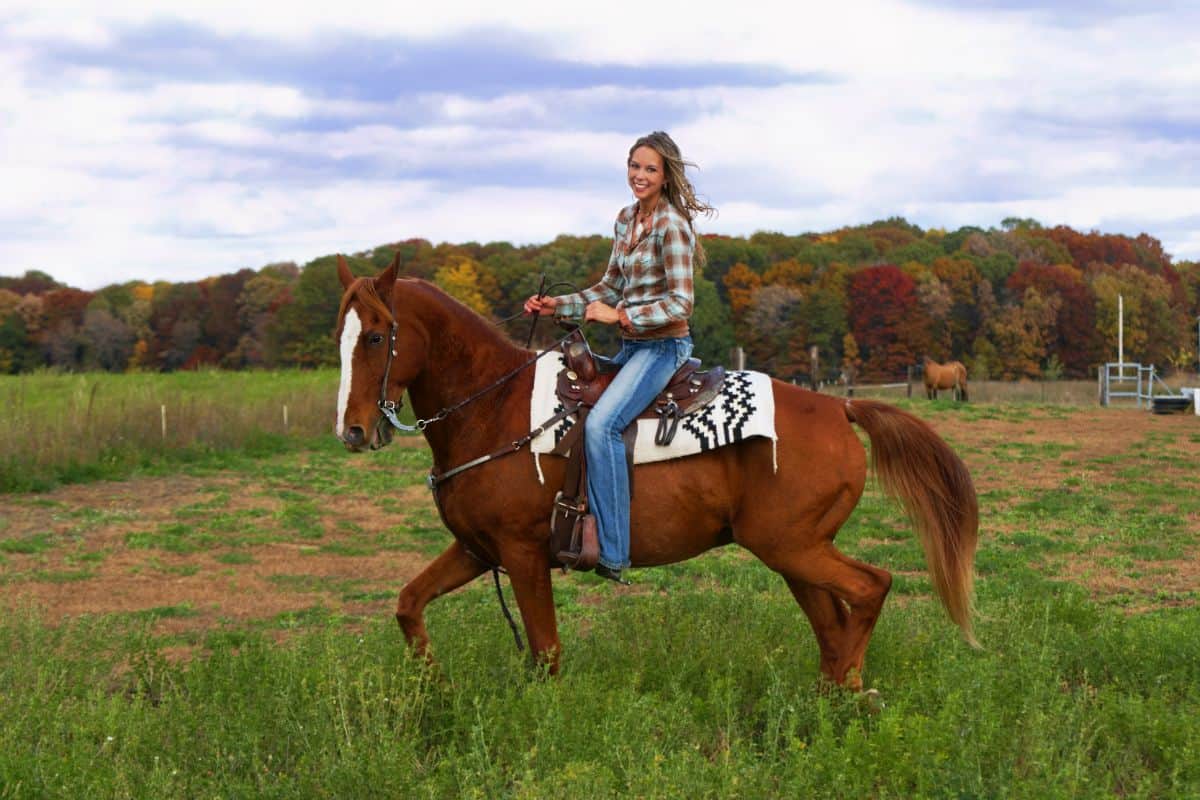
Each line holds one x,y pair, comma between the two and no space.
647,369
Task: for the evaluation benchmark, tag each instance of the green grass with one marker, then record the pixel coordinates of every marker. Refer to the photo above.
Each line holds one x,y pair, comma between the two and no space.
679,695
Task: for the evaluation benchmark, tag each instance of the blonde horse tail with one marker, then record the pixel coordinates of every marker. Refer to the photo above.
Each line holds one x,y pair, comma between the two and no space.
917,468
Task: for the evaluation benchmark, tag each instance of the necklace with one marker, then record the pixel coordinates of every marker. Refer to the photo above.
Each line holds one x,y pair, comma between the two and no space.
643,217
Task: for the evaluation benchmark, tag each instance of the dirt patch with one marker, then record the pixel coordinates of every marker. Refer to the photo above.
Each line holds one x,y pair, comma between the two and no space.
81,562
1083,444
131,581
1141,585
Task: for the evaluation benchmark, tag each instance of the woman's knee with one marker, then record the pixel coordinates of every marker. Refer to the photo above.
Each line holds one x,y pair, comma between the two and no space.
600,424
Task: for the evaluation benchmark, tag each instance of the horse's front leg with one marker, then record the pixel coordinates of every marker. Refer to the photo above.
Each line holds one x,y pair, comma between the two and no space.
528,565
449,571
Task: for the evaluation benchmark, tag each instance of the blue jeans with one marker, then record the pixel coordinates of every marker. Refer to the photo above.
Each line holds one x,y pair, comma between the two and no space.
646,368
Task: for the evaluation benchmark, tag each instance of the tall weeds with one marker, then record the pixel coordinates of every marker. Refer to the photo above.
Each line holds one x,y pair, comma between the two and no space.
59,427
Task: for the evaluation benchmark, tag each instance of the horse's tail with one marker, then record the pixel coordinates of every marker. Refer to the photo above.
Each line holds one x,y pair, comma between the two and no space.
918,468
962,380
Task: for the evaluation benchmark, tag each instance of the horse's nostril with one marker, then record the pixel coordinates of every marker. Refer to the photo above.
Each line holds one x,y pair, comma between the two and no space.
355,436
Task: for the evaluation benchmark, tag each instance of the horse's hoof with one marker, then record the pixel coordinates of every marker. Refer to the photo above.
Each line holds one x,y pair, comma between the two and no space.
872,701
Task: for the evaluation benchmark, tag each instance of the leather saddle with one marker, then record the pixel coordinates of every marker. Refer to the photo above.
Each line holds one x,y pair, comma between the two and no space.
585,376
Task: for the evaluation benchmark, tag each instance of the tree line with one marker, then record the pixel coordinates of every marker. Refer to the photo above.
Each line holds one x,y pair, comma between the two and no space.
1021,300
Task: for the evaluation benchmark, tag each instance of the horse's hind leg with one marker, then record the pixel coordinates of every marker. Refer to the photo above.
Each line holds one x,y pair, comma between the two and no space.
448,571
829,618
842,598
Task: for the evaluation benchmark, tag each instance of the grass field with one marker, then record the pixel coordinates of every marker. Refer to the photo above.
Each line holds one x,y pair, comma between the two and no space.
220,627
67,428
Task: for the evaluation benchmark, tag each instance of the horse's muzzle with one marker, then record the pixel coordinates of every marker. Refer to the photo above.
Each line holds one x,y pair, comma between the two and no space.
354,437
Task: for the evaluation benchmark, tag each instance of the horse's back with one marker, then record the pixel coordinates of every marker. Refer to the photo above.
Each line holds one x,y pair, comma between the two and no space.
816,440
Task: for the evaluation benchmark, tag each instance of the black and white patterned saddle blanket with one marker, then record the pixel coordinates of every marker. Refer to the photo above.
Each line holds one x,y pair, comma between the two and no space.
745,407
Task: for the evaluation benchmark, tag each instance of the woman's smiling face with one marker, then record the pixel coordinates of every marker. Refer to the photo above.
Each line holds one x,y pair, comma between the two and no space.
646,175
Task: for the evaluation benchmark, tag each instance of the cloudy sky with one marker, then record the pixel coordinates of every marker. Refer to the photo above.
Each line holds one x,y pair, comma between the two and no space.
155,144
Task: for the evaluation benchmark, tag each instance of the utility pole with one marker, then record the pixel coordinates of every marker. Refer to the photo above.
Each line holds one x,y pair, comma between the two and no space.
1121,335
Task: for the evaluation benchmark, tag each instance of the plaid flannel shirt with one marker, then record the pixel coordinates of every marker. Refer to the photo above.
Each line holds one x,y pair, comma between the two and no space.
650,277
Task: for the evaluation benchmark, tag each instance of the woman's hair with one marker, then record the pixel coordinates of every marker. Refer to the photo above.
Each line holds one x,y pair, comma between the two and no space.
677,188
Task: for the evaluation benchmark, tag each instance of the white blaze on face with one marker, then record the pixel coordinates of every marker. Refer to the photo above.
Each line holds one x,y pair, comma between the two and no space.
351,330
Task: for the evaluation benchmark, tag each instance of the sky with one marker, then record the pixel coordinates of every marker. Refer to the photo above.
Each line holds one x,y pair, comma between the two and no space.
175,141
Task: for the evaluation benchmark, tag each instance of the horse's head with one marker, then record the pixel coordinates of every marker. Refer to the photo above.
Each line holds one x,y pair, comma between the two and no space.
382,349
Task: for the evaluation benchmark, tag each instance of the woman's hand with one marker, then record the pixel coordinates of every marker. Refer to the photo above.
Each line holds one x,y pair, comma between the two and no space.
598,311
543,305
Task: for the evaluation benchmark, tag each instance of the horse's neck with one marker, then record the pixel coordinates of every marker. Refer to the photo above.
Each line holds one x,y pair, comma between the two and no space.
465,356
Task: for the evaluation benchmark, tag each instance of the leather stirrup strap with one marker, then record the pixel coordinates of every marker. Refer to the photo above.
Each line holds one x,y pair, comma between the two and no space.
573,434
573,477
629,436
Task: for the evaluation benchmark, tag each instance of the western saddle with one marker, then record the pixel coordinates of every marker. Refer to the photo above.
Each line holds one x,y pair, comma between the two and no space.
585,376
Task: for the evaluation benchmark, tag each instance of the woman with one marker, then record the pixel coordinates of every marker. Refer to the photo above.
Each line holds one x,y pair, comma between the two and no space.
647,291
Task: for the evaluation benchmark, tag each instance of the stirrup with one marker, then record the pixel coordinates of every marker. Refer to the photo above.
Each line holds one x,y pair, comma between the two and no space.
612,575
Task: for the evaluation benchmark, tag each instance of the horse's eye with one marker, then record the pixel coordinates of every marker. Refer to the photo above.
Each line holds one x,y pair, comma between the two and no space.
375,338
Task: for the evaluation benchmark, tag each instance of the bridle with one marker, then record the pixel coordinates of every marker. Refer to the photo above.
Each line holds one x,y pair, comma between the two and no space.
391,408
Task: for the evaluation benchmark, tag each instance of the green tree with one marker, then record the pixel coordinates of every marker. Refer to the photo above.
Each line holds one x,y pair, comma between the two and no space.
712,325
17,352
302,332
1154,329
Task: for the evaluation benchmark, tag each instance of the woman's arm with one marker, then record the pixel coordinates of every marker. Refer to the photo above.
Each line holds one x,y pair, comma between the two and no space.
608,290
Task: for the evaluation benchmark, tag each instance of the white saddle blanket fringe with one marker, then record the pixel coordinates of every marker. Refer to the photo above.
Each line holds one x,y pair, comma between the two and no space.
744,408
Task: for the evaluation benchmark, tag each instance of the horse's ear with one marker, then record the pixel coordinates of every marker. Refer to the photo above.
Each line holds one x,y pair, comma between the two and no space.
344,273
387,279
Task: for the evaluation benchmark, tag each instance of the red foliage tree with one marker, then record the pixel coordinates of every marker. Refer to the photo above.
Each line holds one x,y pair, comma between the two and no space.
1093,247
886,320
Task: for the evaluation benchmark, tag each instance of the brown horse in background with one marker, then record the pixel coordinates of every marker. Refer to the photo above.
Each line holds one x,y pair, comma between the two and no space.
498,512
951,375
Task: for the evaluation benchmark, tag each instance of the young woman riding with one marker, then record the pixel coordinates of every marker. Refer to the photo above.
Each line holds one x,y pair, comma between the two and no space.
647,291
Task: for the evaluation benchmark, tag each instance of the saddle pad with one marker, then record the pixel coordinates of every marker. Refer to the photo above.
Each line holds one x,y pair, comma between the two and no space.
744,408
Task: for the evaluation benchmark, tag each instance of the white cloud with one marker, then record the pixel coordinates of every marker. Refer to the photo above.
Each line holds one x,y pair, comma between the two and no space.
945,116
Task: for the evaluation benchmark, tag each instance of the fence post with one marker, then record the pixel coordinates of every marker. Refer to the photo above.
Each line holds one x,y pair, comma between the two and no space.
908,372
162,412
738,356
285,418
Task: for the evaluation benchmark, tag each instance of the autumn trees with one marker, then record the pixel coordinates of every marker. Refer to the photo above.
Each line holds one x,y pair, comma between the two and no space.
1020,300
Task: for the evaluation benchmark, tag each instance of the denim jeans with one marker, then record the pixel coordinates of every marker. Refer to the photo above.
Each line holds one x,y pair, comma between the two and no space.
646,368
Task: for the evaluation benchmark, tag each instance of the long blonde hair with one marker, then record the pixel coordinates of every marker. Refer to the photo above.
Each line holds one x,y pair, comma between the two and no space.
677,188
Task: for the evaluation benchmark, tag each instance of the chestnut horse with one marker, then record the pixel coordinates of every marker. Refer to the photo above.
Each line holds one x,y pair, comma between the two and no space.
443,353
951,375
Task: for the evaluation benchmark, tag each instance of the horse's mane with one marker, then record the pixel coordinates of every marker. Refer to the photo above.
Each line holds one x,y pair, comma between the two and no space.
363,290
